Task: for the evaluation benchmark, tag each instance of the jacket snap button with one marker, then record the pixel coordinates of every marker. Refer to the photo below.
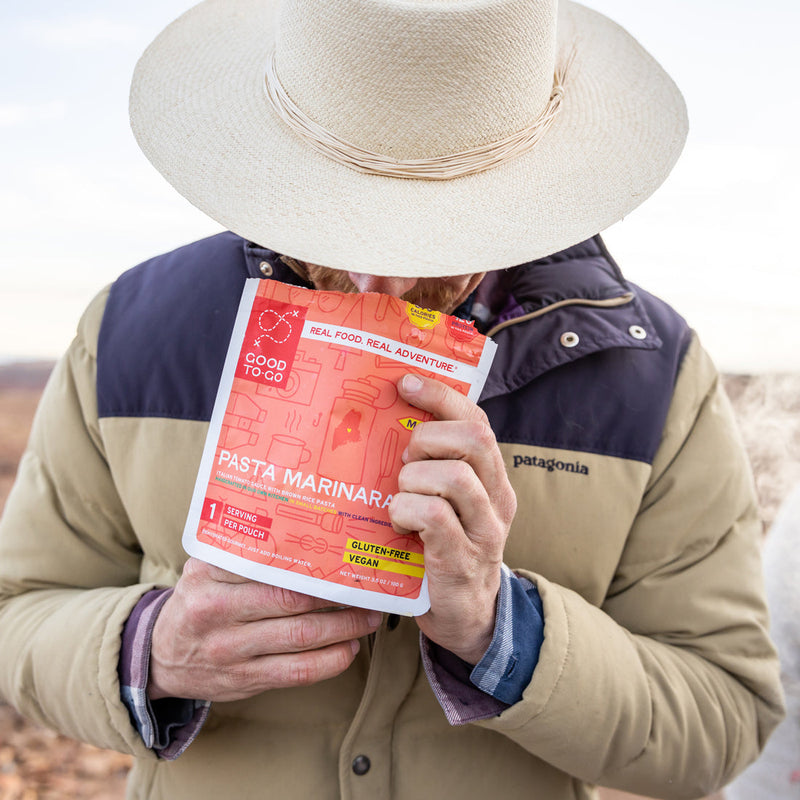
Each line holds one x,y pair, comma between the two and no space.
637,331
570,339
361,765
266,269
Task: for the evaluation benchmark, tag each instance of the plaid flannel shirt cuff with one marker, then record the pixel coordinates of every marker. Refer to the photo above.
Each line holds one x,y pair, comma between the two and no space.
468,694
167,726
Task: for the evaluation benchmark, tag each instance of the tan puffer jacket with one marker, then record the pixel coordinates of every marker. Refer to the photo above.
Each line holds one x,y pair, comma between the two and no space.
656,675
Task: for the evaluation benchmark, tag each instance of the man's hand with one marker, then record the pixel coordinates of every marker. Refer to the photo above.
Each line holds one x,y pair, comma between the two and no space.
223,637
455,493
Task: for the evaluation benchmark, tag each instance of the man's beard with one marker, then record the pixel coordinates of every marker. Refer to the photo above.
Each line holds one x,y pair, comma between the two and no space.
435,294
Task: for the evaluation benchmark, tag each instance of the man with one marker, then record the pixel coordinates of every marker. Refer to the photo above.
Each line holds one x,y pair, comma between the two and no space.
423,150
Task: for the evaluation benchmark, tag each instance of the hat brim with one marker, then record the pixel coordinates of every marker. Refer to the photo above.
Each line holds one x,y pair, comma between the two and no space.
200,114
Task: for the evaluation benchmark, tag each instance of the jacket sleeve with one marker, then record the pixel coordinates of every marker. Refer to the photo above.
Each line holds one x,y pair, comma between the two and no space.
69,565
672,686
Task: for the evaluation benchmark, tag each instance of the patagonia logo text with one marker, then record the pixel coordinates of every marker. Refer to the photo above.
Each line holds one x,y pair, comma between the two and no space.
551,464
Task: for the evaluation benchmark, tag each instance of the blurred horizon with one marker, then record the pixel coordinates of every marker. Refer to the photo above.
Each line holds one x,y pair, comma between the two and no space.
79,204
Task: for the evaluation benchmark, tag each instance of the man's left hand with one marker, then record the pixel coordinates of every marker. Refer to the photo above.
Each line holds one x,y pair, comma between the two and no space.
454,492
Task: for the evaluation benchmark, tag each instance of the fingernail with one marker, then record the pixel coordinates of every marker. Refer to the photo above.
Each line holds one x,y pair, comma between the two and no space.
374,618
411,383
355,645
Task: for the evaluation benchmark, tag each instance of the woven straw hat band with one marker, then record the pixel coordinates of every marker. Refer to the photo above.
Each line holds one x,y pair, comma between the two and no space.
418,80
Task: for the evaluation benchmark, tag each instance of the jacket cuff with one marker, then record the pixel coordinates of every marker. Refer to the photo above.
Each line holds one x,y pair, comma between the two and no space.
468,694
167,726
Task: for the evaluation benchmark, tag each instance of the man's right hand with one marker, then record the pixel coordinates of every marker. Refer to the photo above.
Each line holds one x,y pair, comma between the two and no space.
223,637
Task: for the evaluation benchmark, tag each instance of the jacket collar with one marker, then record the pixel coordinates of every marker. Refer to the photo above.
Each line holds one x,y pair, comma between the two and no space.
556,310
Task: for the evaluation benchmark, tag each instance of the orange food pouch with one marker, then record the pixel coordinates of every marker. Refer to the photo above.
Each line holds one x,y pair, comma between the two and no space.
303,448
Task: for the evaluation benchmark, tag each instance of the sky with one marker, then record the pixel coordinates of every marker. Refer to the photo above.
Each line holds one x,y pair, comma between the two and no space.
79,204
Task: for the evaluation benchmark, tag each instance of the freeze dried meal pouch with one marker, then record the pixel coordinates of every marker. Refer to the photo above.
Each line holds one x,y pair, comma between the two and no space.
303,449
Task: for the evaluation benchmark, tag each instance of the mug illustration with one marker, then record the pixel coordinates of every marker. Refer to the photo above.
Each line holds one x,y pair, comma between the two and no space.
287,451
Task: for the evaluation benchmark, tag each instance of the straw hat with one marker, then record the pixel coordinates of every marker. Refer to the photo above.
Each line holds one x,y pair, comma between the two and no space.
407,137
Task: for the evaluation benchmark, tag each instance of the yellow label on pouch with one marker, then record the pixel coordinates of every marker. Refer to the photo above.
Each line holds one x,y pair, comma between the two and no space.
409,423
382,551
384,565
384,558
422,317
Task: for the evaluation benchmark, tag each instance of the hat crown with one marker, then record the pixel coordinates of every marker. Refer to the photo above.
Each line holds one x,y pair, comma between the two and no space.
418,78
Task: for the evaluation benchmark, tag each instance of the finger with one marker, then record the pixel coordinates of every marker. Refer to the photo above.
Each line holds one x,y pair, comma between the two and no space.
456,483
436,523
287,670
468,441
200,572
472,443
220,594
303,632
255,601
461,431
441,400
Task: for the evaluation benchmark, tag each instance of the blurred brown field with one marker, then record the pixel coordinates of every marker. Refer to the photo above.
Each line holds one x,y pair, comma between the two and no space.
38,764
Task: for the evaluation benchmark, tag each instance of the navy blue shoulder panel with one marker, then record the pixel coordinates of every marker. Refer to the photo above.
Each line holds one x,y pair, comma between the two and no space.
613,402
165,331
